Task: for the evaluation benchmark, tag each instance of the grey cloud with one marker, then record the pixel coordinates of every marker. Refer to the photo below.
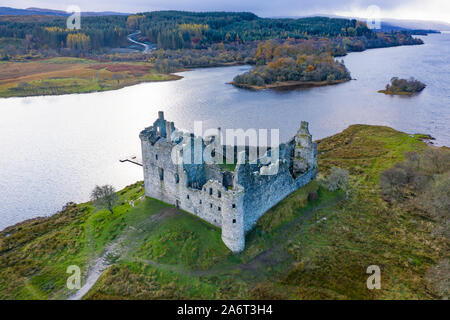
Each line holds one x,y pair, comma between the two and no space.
265,8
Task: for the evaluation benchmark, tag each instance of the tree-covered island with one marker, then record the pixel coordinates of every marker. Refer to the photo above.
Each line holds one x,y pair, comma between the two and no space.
293,63
403,86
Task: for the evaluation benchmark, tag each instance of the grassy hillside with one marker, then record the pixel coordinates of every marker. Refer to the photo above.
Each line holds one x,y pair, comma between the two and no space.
64,75
300,249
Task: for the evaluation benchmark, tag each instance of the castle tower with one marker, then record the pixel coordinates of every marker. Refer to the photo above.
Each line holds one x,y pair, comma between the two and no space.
304,150
233,234
231,200
160,125
170,128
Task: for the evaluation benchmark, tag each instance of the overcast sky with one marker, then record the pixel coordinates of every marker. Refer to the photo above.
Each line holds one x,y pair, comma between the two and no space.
401,9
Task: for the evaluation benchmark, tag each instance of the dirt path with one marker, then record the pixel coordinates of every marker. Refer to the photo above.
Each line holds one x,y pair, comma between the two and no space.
123,247
117,249
94,273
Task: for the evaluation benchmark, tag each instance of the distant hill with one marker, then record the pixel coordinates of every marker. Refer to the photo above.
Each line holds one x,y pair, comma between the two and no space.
391,24
387,27
418,24
7,11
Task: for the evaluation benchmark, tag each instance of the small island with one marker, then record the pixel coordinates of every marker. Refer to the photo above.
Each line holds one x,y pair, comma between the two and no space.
403,86
290,64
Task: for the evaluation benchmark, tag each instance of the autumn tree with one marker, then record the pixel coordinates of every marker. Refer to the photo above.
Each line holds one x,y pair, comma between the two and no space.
78,41
104,197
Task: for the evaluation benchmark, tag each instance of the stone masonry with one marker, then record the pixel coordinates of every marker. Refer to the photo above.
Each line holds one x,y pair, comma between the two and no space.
177,171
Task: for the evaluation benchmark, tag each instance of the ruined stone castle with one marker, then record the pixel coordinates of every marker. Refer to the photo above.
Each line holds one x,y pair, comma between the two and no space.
186,171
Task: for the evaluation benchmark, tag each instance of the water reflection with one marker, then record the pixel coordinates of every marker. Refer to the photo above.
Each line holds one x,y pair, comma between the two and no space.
56,149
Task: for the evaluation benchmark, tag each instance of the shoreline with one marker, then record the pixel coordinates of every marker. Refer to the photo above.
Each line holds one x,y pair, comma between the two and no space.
399,93
173,76
422,137
289,84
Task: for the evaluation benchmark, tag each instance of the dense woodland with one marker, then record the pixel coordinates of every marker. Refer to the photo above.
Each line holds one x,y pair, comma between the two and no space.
282,49
173,30
176,30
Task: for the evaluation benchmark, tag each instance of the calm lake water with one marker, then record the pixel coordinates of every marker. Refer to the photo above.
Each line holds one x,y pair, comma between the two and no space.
55,149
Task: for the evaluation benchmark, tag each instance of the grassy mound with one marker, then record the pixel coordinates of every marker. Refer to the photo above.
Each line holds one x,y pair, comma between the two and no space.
300,249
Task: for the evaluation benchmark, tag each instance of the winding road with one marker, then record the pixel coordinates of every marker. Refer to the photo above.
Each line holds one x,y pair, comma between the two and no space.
147,48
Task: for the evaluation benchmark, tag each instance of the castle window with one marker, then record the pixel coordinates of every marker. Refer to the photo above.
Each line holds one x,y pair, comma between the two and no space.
219,194
156,156
161,174
234,220
210,205
219,209
177,178
200,201
187,196
233,205
213,153
210,191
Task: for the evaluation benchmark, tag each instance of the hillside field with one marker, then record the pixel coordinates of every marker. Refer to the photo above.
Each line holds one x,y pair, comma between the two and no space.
64,75
300,249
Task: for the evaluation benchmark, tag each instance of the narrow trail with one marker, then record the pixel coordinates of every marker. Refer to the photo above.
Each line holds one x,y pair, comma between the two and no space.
123,247
98,267
116,249
272,255
94,273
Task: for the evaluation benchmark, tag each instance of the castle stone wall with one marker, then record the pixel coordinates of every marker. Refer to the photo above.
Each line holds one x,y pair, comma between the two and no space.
232,201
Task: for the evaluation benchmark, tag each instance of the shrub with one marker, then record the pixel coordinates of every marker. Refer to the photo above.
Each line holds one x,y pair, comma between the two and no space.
392,180
337,179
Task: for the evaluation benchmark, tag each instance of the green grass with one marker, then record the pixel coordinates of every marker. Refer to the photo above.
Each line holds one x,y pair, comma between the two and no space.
184,241
58,86
227,166
67,75
35,255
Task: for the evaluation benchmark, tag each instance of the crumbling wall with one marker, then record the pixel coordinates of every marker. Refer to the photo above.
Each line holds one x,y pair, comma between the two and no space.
233,201
262,192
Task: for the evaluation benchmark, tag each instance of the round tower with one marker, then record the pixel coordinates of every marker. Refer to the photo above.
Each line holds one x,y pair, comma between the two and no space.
233,234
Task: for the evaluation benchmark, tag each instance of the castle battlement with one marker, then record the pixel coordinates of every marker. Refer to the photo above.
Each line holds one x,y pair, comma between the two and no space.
176,172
